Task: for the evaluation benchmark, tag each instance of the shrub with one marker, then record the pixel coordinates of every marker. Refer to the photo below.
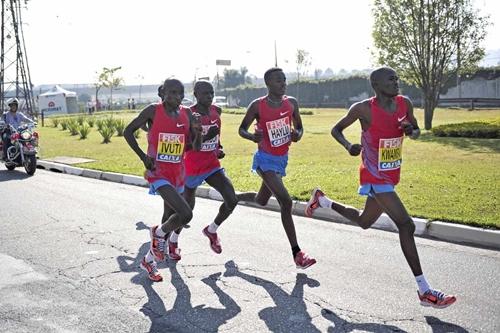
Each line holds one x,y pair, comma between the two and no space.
110,122
80,120
107,133
73,127
100,124
91,121
474,129
137,133
64,123
84,131
120,126
55,122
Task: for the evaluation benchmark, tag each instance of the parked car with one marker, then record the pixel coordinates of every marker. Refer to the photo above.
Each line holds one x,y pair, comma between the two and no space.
220,101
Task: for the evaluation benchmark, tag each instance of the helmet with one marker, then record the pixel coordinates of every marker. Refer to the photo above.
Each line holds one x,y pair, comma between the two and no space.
13,101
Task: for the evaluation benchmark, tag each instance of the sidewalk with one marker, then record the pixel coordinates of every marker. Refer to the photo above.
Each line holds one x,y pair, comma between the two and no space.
436,229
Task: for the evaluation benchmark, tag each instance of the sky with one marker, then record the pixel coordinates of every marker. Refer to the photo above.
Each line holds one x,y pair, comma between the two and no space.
69,41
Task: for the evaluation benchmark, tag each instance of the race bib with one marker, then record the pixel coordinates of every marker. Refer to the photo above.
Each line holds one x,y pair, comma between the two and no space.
278,131
390,152
170,147
211,144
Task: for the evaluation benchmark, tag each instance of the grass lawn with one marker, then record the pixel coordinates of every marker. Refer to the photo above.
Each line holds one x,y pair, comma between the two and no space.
447,179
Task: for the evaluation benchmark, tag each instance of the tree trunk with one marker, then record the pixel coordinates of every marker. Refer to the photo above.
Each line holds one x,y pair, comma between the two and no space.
430,103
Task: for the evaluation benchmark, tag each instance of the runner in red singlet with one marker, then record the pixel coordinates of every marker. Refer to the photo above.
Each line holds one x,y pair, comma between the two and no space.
204,166
278,123
171,128
385,119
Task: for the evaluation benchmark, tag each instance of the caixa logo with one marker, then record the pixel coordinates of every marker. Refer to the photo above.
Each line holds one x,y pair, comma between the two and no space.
51,104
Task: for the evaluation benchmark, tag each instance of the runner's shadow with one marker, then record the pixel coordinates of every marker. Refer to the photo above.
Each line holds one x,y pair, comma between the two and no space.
439,326
290,313
341,325
183,317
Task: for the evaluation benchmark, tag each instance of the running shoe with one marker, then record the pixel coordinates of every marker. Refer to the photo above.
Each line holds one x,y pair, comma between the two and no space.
313,203
303,261
173,251
157,244
150,267
436,299
214,240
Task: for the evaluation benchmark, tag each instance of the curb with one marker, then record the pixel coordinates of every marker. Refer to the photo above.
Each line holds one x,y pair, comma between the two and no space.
435,229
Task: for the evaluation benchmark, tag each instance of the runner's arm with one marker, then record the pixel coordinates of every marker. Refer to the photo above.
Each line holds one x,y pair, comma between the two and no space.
250,116
195,131
141,120
354,113
415,130
298,129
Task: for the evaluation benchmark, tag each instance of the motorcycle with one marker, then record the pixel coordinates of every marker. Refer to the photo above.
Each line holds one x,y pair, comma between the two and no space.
23,149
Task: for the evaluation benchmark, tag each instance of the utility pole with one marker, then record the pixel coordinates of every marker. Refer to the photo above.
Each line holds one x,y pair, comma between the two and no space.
459,84
15,80
275,55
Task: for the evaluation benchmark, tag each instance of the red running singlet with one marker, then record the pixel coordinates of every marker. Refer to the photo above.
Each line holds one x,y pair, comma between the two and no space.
276,126
383,144
167,140
205,160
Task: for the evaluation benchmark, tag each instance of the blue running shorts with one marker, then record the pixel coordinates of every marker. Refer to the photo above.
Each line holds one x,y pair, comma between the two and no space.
268,162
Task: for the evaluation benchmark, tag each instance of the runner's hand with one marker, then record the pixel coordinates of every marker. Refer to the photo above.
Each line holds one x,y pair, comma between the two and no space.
407,127
355,149
149,163
295,135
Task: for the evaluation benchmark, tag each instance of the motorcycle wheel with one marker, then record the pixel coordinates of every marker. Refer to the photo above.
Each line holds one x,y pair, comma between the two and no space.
30,164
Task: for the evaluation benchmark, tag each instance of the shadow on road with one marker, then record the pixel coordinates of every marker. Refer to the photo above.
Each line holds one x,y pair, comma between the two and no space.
183,317
342,325
7,175
439,326
290,313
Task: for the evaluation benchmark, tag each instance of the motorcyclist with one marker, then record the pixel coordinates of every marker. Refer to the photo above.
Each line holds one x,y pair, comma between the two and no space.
15,119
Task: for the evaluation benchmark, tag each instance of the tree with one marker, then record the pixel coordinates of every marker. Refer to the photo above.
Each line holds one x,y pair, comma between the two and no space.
424,40
302,60
108,79
234,78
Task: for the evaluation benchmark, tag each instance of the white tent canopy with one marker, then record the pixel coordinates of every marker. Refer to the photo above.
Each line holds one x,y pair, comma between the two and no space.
58,101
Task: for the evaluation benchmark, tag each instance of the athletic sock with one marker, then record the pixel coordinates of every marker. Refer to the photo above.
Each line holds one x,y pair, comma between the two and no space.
325,202
212,228
160,233
174,237
422,283
295,250
149,257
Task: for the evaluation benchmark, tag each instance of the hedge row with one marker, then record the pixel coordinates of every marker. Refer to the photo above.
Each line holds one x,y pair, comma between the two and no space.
474,129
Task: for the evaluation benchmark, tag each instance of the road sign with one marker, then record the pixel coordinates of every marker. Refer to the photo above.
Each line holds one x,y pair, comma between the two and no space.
220,62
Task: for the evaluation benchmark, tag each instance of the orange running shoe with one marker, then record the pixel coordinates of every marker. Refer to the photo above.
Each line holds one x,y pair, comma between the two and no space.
436,299
150,267
303,261
214,240
157,246
173,251
313,203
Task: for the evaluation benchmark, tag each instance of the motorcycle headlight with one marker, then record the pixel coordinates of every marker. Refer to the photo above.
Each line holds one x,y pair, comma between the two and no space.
25,135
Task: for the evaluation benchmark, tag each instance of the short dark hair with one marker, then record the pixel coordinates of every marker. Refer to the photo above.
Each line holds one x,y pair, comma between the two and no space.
199,83
160,91
375,74
267,74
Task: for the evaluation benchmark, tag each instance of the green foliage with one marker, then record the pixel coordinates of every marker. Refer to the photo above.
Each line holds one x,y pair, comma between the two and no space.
120,126
110,123
73,126
100,124
55,122
137,133
91,121
84,131
106,133
80,120
420,40
64,124
474,129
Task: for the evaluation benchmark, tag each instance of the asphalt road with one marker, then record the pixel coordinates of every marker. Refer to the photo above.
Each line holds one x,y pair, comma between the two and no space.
70,248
